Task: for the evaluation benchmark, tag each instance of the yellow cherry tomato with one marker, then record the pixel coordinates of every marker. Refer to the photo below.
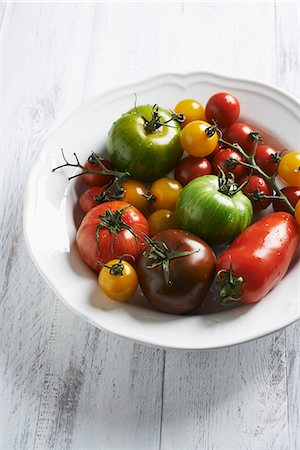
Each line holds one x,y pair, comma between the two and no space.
118,280
199,138
191,109
297,211
162,220
289,168
165,192
134,194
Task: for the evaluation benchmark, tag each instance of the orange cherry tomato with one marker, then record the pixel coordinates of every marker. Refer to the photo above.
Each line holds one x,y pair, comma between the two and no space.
162,220
118,280
199,138
289,168
297,212
191,109
165,192
134,194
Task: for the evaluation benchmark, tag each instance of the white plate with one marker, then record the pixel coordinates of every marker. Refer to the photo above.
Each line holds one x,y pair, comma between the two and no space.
50,216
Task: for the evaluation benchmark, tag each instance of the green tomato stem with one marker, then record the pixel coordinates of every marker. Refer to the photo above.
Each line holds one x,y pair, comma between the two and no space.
251,163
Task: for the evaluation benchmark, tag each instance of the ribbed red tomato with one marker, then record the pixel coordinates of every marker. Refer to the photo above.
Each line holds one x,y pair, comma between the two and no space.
109,231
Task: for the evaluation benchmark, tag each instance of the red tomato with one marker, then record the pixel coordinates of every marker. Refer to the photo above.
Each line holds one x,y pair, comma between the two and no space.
104,233
223,108
258,258
219,161
293,195
94,179
255,186
87,200
267,158
239,133
191,167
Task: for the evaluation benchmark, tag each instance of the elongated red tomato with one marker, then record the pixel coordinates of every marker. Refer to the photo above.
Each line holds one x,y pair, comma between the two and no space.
109,231
258,258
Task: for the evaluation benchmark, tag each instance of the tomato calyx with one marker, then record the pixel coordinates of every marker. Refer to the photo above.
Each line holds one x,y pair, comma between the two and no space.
210,131
117,268
230,286
92,159
113,222
227,183
155,122
160,255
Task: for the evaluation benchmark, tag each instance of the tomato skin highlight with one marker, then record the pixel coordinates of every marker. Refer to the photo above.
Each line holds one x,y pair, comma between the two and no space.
208,213
93,179
190,167
190,275
223,108
262,254
125,243
147,156
289,168
118,287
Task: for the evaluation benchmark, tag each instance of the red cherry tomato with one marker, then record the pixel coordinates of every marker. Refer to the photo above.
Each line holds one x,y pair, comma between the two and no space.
220,162
258,258
88,200
109,231
223,108
267,158
240,133
256,186
191,167
94,179
293,195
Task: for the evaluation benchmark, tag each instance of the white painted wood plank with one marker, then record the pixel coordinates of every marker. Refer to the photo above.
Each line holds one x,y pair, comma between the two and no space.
99,391
37,67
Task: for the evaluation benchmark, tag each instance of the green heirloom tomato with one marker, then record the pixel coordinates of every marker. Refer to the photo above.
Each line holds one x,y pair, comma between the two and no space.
210,208
145,141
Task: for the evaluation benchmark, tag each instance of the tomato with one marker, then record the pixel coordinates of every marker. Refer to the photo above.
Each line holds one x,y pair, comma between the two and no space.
88,199
118,280
267,158
146,142
162,220
293,195
191,109
135,193
239,133
199,138
209,208
220,162
111,230
96,179
258,258
175,275
289,168
190,167
297,212
165,192
222,108
256,187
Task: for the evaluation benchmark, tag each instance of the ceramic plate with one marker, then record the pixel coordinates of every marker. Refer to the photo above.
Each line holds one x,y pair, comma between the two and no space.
51,217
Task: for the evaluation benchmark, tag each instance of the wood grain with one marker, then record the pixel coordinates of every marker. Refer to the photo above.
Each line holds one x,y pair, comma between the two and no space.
65,384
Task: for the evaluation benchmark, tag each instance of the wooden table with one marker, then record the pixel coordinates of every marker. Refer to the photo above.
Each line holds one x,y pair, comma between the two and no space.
65,384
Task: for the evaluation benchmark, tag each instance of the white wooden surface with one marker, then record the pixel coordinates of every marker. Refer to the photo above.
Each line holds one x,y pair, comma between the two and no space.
64,384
